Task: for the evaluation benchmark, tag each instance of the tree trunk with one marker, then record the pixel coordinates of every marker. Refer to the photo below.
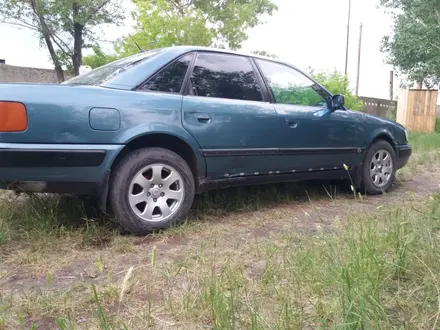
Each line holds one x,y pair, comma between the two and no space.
58,68
77,48
46,35
77,40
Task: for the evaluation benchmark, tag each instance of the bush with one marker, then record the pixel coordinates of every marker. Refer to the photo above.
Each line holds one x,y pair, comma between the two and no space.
338,83
98,58
437,125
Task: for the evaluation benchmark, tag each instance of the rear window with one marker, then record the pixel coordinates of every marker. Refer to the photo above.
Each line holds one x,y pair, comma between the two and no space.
102,74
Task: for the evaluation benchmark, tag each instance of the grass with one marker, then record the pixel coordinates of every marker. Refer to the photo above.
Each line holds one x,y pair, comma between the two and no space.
246,259
371,271
425,155
424,142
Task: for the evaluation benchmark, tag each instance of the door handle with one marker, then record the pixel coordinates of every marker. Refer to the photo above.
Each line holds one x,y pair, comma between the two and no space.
292,123
203,117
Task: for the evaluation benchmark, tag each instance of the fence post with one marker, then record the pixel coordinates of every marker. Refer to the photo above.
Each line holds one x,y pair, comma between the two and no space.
391,85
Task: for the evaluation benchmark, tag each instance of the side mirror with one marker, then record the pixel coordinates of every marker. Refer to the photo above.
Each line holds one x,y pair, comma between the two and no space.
338,102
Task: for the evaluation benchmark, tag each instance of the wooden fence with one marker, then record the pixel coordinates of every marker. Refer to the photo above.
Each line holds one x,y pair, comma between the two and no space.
417,109
380,107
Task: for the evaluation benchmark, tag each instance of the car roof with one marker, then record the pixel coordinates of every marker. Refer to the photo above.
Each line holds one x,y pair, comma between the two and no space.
132,78
188,48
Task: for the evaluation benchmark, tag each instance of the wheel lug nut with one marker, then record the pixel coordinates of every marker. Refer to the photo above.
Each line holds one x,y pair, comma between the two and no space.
152,185
155,199
162,194
148,194
160,186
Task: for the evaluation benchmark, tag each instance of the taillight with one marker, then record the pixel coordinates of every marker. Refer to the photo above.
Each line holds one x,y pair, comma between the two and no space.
13,117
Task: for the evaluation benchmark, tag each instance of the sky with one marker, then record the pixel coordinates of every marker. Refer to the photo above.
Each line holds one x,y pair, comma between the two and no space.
302,32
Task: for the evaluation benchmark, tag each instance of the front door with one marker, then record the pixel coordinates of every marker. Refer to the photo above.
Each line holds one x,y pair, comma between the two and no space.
311,136
226,112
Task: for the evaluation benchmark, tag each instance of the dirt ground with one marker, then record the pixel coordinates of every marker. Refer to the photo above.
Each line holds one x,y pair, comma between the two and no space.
41,272
68,265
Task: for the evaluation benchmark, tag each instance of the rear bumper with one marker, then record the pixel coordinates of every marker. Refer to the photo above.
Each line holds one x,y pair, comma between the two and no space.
403,154
56,168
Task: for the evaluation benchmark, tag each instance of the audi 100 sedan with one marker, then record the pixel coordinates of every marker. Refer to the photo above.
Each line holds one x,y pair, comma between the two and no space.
144,134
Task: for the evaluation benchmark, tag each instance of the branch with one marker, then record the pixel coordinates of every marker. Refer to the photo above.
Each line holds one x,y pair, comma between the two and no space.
175,4
53,36
190,3
98,8
44,26
59,46
22,24
40,17
34,7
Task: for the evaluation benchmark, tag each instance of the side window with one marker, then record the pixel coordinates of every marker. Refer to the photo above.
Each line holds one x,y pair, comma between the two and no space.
225,76
289,86
169,79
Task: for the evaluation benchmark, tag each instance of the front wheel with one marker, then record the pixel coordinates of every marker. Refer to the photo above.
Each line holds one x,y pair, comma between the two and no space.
379,169
151,188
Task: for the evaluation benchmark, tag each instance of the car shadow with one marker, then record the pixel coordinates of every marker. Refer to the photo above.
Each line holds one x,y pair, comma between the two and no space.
252,198
74,211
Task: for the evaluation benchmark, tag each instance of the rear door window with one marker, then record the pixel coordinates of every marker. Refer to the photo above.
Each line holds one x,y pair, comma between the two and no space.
170,79
225,76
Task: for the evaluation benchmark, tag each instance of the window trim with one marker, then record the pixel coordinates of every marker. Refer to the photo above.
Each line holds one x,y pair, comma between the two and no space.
161,69
263,81
263,90
267,97
325,93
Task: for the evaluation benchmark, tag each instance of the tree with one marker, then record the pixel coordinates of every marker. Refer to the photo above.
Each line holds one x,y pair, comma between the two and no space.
217,23
414,47
264,53
64,26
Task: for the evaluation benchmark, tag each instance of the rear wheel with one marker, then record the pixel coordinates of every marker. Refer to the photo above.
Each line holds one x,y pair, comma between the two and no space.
151,188
379,169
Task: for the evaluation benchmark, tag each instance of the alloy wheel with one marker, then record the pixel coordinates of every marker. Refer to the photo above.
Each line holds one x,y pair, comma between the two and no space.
156,192
381,168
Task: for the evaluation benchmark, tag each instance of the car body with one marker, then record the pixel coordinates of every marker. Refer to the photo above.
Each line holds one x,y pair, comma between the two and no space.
232,118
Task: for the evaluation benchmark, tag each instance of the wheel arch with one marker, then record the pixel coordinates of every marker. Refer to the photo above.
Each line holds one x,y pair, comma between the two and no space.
381,135
384,135
193,158
170,142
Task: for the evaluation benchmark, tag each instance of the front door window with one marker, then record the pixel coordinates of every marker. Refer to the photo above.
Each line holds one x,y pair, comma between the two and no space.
289,86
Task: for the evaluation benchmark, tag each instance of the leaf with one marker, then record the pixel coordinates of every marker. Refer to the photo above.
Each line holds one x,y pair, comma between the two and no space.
414,46
59,23
338,83
163,23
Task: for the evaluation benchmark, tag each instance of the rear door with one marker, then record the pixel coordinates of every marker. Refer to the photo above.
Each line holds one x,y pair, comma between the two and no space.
227,111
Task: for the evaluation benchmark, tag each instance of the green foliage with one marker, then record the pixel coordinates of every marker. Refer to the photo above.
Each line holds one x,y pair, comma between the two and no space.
264,53
414,46
65,26
437,125
163,23
338,83
297,95
98,58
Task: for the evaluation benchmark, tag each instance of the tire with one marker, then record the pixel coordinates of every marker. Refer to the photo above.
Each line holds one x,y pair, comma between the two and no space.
143,166
385,176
